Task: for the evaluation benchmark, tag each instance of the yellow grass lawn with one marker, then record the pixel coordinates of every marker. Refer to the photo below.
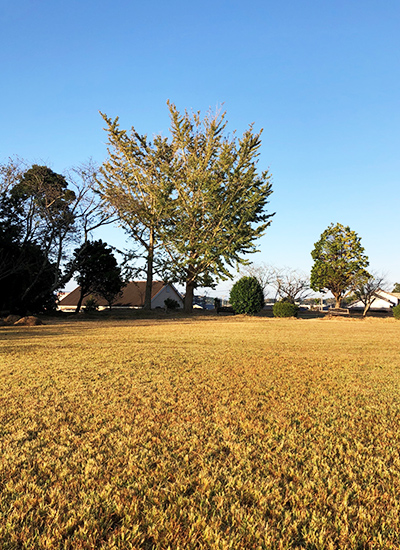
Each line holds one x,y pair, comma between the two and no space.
242,433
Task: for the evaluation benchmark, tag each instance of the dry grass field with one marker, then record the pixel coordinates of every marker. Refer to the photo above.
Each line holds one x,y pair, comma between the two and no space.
241,433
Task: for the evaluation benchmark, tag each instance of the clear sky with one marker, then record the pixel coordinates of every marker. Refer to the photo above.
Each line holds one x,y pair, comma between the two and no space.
321,77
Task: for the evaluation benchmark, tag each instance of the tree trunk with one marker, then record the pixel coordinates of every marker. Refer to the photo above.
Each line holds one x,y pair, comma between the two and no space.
149,278
189,292
367,305
338,301
79,304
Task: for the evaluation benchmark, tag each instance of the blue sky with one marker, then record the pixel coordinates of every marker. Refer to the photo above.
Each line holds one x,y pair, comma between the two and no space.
321,77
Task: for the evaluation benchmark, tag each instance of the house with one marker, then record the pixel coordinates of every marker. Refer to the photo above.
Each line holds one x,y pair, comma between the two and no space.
383,301
132,297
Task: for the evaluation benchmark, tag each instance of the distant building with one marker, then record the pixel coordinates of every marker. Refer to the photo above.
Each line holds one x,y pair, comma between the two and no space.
383,301
132,296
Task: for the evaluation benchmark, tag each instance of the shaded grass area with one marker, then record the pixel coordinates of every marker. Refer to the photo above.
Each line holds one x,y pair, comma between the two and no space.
200,433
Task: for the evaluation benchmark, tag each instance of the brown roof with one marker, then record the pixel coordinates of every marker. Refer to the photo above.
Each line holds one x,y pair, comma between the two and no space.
132,295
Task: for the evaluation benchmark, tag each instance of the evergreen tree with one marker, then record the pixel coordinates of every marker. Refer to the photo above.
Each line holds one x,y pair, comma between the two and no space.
26,274
247,296
98,272
339,262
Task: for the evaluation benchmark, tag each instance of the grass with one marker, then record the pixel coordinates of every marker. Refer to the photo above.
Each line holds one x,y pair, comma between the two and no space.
242,433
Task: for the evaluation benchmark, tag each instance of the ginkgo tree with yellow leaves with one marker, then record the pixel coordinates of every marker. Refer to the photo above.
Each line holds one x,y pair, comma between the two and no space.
198,196
340,262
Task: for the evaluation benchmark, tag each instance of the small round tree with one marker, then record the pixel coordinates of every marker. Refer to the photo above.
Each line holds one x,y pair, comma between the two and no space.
247,296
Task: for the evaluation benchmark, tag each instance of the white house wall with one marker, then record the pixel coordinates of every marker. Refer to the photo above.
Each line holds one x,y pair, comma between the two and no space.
165,292
378,303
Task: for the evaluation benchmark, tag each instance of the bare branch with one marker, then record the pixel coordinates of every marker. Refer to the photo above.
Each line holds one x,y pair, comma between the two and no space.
290,284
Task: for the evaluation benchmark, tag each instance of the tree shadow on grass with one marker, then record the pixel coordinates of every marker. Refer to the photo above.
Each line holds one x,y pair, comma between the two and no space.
13,333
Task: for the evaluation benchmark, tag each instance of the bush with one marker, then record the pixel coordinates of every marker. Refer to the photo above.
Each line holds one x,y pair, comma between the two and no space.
171,304
396,312
247,296
285,309
91,305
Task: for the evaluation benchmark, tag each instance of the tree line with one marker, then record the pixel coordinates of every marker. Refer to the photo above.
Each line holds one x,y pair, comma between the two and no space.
43,217
193,204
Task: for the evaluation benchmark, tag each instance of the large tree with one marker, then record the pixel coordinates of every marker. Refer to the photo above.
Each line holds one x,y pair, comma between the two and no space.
198,196
219,202
42,199
134,181
339,262
26,273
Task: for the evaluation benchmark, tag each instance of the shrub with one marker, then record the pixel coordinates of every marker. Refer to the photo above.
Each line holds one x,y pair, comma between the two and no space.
285,309
247,296
91,305
396,312
171,304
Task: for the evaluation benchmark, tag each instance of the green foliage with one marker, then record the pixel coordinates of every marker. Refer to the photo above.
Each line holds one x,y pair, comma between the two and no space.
26,273
170,303
339,262
91,305
396,288
49,191
98,271
198,196
247,296
135,182
396,312
284,308
47,209
37,218
350,298
219,206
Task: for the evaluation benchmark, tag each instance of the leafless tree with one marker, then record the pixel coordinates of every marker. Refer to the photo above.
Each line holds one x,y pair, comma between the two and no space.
263,272
290,284
366,290
89,210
